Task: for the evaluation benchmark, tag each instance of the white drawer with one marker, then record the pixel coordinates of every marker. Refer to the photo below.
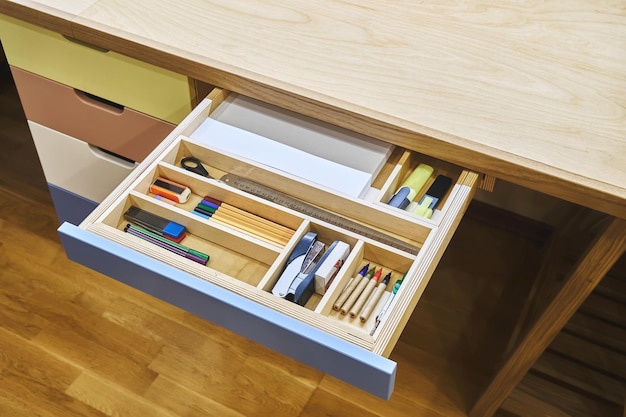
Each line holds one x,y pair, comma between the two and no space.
76,166
234,289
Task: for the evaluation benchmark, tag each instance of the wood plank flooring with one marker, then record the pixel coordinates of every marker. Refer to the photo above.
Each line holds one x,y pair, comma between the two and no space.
76,343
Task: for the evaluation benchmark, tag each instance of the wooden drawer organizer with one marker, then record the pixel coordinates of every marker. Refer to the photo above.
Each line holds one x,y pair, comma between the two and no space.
249,266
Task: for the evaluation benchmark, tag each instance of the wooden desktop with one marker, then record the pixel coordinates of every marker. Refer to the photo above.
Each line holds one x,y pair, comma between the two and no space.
530,94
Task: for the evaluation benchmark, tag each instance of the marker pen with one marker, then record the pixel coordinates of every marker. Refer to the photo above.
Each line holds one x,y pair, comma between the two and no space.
394,290
411,186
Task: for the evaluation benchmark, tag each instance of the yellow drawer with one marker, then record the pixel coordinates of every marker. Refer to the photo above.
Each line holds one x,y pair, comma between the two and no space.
251,239
128,82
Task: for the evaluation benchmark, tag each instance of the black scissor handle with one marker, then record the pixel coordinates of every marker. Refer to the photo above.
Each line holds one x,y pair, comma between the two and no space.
194,165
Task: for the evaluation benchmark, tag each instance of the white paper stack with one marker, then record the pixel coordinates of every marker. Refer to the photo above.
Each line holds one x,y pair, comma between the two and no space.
306,148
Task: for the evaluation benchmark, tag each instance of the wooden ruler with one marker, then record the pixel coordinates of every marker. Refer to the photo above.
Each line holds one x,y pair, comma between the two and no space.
300,206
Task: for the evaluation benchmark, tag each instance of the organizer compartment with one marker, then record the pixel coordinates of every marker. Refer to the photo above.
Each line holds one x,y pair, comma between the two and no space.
410,230
400,168
232,256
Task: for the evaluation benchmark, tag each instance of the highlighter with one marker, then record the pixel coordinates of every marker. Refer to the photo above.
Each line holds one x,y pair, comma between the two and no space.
411,186
430,201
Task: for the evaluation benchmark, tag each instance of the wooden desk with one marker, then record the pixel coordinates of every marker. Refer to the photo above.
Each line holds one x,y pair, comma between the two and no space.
528,93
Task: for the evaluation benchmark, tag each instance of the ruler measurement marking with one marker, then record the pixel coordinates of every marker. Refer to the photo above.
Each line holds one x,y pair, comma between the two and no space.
293,203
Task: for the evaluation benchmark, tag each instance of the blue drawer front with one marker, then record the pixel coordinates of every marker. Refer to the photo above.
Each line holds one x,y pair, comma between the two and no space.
309,345
70,207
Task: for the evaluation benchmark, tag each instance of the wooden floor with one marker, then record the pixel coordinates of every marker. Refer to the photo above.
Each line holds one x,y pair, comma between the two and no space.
76,343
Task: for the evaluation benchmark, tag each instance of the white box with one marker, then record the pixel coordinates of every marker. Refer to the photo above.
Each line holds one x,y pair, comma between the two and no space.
326,272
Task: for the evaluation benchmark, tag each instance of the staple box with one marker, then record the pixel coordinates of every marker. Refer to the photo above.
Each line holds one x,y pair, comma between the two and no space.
330,266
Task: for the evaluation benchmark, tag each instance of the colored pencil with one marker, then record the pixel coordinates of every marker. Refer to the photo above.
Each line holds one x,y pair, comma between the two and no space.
365,295
166,246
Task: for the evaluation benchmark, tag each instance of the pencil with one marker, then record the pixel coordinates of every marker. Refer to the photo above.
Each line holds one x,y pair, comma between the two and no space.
357,291
380,289
242,225
350,288
279,228
365,295
232,216
255,221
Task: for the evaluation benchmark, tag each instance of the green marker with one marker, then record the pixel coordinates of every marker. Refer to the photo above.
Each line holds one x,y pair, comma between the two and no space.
394,290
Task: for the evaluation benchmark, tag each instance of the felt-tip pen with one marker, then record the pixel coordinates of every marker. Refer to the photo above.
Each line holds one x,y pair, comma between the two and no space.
365,295
394,290
361,284
178,246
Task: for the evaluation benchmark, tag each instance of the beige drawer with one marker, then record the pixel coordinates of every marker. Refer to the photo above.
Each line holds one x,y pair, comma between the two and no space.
76,166
115,128
234,289
129,82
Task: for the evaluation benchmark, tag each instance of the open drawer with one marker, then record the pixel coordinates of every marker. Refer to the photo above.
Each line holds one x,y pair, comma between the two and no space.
251,240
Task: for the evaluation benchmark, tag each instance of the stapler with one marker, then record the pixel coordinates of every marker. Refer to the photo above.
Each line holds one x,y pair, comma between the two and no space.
297,281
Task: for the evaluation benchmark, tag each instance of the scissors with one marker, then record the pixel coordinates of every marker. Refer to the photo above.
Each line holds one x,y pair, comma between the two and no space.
194,165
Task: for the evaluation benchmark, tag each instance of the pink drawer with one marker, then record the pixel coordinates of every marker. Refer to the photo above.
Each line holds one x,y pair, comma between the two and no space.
114,128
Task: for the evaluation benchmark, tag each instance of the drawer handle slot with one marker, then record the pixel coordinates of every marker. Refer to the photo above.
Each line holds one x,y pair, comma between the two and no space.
86,44
112,156
99,102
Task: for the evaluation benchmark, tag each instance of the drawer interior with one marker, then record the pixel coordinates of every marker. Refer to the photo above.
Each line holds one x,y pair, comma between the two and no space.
250,240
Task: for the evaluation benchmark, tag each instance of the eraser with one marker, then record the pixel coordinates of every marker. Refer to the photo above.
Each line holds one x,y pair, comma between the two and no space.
174,230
